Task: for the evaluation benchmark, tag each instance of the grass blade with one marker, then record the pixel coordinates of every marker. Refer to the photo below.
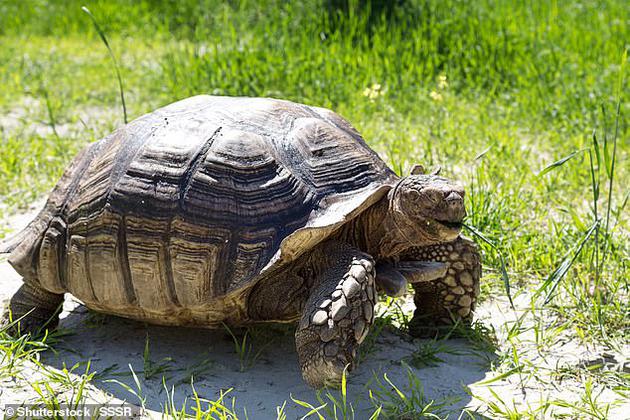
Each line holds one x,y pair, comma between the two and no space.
611,173
483,153
111,54
560,162
313,410
559,273
504,273
500,377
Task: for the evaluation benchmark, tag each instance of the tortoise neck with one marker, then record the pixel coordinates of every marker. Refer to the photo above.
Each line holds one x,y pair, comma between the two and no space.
375,232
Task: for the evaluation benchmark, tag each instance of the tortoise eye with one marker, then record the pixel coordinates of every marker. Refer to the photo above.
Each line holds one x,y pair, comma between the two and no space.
435,196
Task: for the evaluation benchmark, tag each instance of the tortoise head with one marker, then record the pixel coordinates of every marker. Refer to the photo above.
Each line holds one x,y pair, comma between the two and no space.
427,208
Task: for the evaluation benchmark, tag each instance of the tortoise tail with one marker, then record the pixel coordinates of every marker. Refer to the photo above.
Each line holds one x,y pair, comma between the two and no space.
8,245
23,246
29,234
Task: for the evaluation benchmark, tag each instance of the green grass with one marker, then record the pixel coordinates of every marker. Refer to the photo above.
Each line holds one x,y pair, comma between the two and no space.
493,91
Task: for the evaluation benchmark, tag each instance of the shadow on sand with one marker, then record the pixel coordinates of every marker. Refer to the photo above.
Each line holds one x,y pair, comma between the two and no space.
262,380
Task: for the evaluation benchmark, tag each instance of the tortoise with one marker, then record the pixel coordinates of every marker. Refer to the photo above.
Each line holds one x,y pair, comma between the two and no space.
229,210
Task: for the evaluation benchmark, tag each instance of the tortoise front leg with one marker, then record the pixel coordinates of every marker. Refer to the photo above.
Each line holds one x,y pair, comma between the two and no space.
451,298
392,279
337,316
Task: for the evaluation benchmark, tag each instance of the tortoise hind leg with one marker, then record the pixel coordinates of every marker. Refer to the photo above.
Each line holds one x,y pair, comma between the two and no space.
337,316
37,307
451,298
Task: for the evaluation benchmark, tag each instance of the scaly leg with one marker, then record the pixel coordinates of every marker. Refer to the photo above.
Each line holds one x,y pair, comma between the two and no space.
442,302
38,307
337,315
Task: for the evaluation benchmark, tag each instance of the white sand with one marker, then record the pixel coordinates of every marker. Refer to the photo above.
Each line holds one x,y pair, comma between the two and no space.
116,343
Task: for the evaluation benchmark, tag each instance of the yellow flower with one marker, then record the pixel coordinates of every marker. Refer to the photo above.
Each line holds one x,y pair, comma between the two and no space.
373,91
442,82
436,96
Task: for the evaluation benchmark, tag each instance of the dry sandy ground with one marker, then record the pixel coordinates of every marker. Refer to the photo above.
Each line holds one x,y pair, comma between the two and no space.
114,344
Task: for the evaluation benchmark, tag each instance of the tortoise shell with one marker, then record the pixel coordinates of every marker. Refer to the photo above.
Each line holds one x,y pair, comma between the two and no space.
195,202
